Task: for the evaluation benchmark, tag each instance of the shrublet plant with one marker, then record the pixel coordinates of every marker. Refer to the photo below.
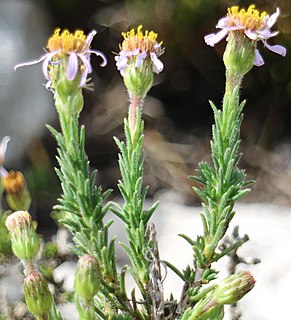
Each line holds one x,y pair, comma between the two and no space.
100,288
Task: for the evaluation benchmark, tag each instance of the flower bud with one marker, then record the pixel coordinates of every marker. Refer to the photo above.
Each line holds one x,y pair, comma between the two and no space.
17,194
87,278
37,295
24,240
233,288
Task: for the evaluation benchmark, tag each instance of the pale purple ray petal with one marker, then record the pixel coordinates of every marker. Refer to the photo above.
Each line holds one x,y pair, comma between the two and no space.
3,148
259,61
134,52
90,37
238,27
222,23
276,48
266,18
45,64
86,61
29,63
157,64
83,78
99,54
253,35
3,172
266,34
273,18
72,66
140,59
213,38
121,61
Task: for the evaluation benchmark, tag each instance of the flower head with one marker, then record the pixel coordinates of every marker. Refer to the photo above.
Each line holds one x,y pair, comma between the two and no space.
233,288
139,48
87,278
17,194
24,240
251,23
37,295
14,182
19,220
71,50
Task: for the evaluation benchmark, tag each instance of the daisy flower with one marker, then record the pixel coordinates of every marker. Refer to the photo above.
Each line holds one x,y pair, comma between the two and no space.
71,50
139,48
251,23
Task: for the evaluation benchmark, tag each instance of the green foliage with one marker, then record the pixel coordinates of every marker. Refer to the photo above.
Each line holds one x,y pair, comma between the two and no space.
50,250
132,213
100,287
83,207
223,183
5,243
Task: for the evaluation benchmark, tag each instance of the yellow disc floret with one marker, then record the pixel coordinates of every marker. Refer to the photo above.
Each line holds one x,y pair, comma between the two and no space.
146,41
251,18
68,42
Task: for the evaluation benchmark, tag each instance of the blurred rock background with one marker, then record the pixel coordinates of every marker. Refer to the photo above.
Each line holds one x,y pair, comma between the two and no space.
177,114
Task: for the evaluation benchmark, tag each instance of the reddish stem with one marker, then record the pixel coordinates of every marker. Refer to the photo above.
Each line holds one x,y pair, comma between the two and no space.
135,103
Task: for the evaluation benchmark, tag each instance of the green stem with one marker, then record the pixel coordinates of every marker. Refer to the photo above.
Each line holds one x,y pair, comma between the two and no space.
223,183
131,159
136,104
84,201
233,80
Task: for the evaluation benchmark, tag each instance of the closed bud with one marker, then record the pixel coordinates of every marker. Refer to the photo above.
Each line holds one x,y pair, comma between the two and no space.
87,278
24,240
233,288
37,295
17,194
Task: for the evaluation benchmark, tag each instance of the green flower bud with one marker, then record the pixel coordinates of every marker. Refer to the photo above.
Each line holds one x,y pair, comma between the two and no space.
239,54
87,278
24,240
17,194
37,295
233,288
